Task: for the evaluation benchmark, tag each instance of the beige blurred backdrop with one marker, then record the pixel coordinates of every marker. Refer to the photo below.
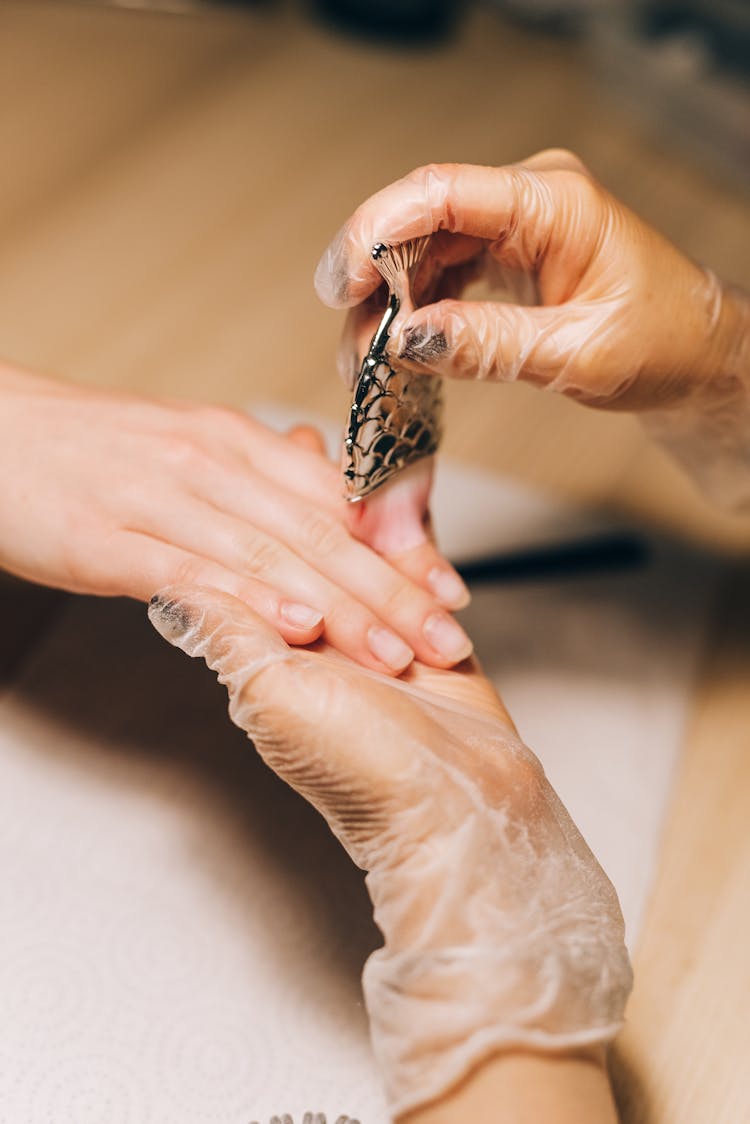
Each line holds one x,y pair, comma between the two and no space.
170,180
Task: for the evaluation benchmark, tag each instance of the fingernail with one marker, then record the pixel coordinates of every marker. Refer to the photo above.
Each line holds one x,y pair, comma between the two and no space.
389,648
331,281
172,619
447,637
448,588
170,611
299,616
422,344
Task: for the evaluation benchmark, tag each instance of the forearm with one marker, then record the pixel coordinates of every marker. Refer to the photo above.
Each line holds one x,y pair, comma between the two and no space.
709,432
493,947
524,1088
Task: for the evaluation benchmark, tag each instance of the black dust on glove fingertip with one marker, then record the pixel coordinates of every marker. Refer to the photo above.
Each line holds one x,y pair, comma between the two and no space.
174,612
422,345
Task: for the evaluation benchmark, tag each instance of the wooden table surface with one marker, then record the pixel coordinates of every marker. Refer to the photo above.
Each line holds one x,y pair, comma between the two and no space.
168,183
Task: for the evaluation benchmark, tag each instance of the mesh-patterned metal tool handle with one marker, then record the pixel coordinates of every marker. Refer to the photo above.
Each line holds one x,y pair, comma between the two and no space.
396,415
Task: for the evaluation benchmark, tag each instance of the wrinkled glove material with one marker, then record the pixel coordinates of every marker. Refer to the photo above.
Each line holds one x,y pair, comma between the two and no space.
501,931
602,308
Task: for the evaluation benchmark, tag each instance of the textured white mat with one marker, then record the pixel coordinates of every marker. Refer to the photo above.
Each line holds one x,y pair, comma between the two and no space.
180,938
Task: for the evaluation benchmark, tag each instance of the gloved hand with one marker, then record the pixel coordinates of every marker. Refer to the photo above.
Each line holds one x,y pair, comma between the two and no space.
110,494
623,319
501,931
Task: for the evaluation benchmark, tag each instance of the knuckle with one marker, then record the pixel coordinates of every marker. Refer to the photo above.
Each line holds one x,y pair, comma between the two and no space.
580,184
432,183
223,418
596,365
322,535
207,419
262,555
182,455
427,172
399,601
190,571
208,430
567,158
440,206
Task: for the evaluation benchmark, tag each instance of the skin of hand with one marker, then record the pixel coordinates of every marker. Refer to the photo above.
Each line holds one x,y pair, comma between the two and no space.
395,522
527,1089
116,495
620,318
501,932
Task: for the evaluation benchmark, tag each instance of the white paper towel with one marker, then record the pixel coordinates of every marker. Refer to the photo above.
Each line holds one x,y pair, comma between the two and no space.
180,938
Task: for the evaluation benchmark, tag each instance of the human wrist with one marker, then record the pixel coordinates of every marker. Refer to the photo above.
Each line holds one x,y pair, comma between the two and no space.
436,1015
471,963
526,1088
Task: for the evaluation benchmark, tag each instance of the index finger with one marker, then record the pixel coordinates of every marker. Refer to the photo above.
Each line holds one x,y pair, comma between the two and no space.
472,200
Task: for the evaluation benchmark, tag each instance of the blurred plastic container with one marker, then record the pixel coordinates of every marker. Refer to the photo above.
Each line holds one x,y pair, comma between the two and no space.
685,66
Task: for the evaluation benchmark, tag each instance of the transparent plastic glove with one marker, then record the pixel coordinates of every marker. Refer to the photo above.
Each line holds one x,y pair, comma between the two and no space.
500,929
111,494
621,319
622,314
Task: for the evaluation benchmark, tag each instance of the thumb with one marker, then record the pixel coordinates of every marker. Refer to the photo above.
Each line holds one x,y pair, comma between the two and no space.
281,699
341,738
483,340
222,630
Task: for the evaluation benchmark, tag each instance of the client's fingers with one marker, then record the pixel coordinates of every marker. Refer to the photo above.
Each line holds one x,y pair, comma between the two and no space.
395,522
308,437
138,564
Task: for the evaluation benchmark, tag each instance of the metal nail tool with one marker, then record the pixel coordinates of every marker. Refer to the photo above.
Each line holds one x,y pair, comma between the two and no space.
396,415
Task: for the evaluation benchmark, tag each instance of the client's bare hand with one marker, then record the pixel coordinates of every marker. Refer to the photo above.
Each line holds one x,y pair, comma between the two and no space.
501,930
110,494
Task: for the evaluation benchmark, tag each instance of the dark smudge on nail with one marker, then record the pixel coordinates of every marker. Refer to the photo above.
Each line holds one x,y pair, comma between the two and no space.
340,282
421,346
338,262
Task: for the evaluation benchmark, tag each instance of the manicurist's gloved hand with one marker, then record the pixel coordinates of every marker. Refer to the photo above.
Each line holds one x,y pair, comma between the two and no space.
613,314
501,931
110,494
